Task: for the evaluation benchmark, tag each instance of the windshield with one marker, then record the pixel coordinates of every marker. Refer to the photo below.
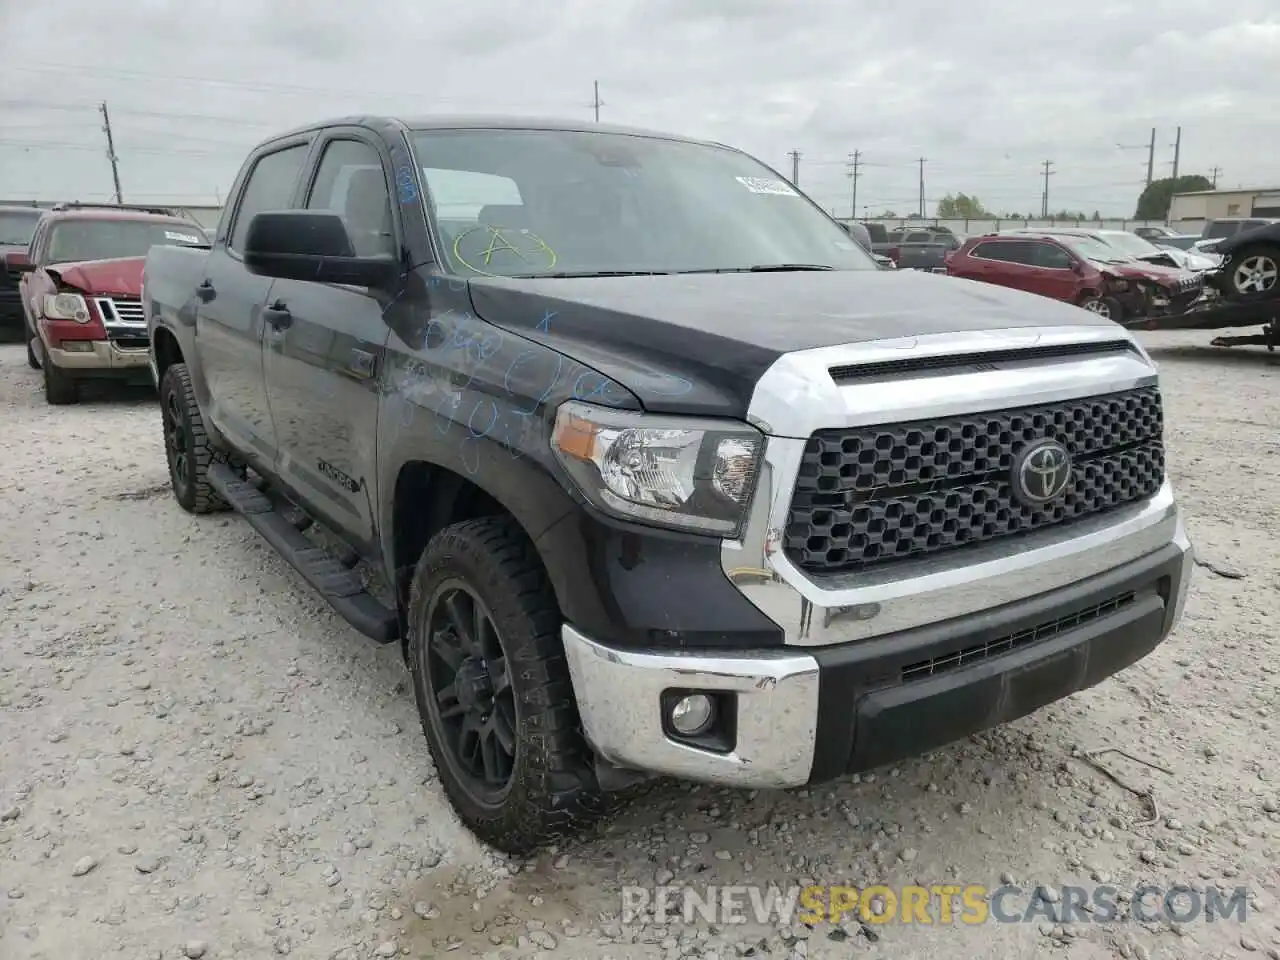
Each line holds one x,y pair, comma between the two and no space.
1218,229
1131,244
542,202
17,226
71,241
1091,249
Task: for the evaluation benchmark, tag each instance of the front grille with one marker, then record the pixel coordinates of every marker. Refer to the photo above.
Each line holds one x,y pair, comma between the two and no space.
1013,641
871,495
121,311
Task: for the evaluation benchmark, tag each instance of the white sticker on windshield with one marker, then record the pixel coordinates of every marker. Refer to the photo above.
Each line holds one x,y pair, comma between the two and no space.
181,237
766,185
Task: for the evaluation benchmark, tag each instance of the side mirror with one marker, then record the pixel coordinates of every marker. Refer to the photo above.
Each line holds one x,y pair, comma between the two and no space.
311,245
1076,267
16,261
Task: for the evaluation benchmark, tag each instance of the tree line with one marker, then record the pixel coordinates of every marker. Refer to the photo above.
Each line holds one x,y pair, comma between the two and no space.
1153,204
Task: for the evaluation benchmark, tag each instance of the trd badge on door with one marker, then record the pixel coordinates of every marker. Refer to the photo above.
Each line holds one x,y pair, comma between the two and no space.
333,473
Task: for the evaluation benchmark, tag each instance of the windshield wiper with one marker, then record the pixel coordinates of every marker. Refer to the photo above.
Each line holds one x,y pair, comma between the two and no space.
767,268
577,274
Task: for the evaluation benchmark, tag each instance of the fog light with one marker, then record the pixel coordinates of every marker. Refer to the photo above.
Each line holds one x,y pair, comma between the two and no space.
77,346
693,714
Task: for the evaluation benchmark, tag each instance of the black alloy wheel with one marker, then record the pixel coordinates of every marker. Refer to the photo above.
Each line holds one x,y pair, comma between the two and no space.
472,704
186,443
177,443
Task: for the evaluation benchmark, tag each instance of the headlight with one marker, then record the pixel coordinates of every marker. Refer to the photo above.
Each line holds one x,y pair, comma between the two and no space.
682,472
66,306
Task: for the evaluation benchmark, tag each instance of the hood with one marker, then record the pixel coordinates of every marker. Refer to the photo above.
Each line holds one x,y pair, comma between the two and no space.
1139,270
1184,260
122,276
721,332
1269,233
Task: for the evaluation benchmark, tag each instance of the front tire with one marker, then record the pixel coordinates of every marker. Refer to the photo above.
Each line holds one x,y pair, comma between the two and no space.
1253,274
493,688
186,443
59,389
1108,307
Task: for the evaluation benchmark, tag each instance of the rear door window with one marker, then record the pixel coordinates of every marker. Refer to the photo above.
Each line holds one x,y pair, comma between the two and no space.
1005,251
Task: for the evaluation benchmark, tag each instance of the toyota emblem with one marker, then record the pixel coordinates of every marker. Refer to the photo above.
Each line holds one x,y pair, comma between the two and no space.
1041,472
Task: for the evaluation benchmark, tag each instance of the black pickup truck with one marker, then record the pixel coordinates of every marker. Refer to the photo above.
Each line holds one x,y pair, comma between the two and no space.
647,466
924,249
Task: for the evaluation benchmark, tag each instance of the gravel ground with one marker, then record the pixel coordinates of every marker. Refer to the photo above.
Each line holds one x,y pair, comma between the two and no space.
197,759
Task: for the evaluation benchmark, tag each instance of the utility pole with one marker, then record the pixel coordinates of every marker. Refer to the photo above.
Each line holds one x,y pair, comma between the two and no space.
922,161
1150,147
1151,157
1216,172
855,163
111,150
597,103
795,167
1044,197
1177,152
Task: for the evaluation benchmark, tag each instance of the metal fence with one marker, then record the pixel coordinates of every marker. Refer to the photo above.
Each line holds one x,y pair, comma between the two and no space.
979,227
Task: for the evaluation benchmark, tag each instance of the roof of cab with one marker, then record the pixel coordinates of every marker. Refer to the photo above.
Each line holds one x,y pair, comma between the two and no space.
84,213
484,122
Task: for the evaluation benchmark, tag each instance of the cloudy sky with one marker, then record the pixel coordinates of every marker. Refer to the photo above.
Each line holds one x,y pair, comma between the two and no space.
985,91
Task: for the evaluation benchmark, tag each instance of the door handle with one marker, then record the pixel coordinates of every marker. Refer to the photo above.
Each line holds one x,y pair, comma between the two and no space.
205,291
278,315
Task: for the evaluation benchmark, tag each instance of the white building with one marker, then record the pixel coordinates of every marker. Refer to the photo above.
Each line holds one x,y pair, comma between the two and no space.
1214,204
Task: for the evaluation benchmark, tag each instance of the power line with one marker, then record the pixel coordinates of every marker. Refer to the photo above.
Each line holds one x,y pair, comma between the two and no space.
1214,174
922,161
1177,153
1044,197
287,89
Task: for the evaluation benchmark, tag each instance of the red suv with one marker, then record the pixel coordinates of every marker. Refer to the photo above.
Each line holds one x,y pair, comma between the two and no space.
1079,270
80,286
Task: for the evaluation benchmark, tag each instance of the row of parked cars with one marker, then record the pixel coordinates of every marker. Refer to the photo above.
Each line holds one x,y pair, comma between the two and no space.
72,285
1119,274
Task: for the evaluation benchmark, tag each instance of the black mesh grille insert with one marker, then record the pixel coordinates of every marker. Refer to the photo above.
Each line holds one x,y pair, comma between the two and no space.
875,494
1013,641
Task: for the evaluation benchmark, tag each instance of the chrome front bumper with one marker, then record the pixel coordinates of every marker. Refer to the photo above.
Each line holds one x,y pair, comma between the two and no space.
777,702
779,708
618,694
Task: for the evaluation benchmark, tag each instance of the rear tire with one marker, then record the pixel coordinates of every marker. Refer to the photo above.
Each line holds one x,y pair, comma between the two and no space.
545,787
186,444
59,389
1253,274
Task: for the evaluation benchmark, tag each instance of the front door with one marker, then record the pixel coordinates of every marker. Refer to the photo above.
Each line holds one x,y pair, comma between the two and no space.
323,349
1053,274
229,319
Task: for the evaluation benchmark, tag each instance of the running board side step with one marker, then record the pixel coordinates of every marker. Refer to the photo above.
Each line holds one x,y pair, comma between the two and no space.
338,584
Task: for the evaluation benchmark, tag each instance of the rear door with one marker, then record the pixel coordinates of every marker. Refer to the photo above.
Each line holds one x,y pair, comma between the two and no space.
229,318
1002,262
322,365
